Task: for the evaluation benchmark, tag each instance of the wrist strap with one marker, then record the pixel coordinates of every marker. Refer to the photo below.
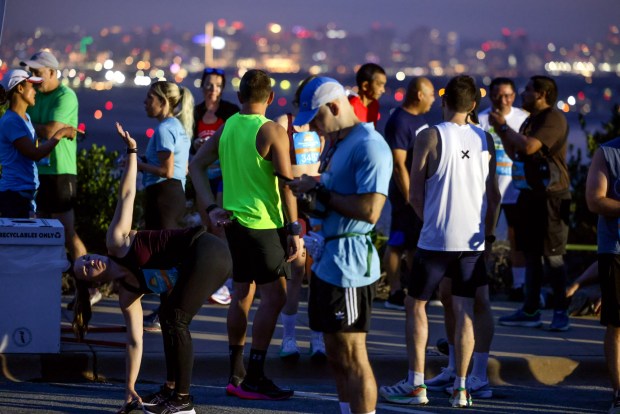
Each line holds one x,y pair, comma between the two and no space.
212,207
132,150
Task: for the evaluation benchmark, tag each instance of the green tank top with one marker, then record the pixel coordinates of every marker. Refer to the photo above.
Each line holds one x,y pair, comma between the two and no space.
250,189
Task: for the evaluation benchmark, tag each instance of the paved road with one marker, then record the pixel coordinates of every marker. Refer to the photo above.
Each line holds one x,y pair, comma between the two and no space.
532,370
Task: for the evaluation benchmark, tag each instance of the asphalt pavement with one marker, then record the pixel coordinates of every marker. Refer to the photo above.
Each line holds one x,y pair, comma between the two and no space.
520,357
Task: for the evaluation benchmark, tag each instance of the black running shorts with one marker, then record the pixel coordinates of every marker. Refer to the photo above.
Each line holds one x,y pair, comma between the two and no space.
258,255
333,309
57,193
609,278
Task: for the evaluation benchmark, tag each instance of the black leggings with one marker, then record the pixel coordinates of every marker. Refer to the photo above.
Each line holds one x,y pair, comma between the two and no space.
203,270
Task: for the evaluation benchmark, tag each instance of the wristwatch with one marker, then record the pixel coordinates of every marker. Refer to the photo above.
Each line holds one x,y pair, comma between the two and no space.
293,228
503,128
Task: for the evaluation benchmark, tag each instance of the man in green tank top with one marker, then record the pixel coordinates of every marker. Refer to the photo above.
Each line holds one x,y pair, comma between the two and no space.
251,150
56,107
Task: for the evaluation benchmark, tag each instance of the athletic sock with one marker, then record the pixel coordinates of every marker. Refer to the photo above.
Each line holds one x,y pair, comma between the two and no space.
415,378
235,354
479,369
288,325
256,365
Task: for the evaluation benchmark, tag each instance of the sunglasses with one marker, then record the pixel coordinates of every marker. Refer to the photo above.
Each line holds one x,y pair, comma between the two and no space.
209,71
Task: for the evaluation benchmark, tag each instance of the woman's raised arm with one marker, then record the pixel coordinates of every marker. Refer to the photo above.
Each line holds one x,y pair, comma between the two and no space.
120,227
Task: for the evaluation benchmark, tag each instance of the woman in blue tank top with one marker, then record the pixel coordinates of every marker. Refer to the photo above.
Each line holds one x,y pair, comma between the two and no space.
185,265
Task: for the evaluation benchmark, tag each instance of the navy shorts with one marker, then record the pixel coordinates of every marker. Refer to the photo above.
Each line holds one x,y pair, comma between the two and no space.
333,309
609,278
258,255
466,269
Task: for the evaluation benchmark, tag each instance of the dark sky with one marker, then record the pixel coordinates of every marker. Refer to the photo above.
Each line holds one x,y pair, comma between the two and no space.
560,21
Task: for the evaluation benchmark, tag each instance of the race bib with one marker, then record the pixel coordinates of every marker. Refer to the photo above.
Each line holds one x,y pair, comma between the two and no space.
307,147
518,176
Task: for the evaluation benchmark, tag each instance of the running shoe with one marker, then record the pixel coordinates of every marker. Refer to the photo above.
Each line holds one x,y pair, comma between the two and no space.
560,321
521,318
441,381
173,405
160,396
151,323
404,393
460,398
318,355
396,300
221,296
289,351
478,388
262,389
232,388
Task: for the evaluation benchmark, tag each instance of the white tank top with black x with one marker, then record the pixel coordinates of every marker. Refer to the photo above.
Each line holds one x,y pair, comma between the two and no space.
455,202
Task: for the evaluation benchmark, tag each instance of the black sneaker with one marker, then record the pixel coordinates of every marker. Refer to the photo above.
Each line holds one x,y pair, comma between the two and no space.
262,389
158,397
396,300
172,406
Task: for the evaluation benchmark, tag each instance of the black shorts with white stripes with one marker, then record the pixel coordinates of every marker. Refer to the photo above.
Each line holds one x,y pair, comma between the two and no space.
334,309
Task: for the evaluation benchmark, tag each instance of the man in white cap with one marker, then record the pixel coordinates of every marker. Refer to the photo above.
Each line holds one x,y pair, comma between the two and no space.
355,175
56,107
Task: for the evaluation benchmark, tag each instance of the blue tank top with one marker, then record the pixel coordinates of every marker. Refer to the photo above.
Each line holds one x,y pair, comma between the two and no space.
608,227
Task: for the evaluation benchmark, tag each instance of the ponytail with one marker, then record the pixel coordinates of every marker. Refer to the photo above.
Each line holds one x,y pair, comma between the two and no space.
184,110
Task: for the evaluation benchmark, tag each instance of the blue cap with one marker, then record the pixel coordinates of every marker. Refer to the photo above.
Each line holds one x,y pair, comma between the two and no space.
319,91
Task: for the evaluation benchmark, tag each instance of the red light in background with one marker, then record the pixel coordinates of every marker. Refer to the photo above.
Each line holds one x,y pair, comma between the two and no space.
505,31
109,105
98,114
82,126
399,96
282,101
581,96
150,132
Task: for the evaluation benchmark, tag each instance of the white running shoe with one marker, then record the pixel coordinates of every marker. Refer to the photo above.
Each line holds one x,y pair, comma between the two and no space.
221,296
478,388
460,398
404,393
289,350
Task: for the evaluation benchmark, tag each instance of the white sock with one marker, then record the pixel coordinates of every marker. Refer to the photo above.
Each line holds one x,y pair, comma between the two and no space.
288,324
451,358
481,360
415,378
345,408
459,382
316,336
518,277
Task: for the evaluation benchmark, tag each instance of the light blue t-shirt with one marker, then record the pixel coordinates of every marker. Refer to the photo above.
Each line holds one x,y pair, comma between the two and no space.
19,173
169,136
360,164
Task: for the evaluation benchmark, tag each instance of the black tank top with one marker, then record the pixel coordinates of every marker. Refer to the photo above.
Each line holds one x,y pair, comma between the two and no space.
156,249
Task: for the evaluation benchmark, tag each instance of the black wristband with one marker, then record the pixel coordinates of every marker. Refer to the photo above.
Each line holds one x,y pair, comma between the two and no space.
323,194
132,150
294,228
212,207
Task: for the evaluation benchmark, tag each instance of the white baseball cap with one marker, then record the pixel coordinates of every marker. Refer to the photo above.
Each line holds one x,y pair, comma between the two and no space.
41,59
14,77
318,92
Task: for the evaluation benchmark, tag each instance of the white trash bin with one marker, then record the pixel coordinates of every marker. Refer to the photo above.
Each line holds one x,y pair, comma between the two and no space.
32,259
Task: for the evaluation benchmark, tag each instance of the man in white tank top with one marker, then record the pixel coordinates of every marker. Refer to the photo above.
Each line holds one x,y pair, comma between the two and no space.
454,162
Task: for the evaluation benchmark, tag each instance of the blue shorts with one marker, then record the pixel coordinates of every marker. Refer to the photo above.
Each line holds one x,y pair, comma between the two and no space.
466,269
